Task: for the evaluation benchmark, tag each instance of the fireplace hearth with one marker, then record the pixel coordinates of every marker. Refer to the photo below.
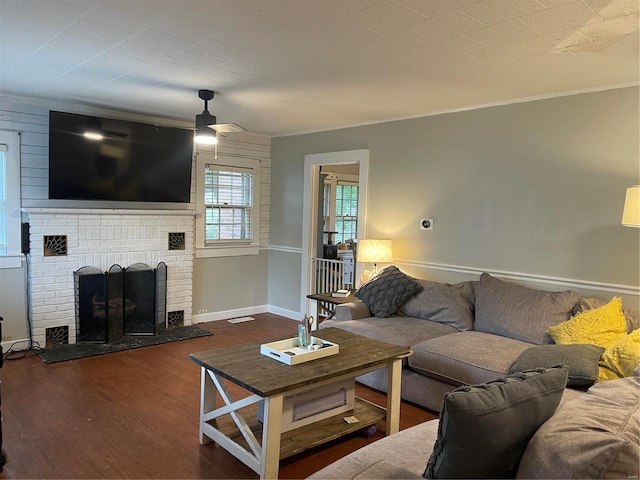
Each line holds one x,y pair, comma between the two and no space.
120,301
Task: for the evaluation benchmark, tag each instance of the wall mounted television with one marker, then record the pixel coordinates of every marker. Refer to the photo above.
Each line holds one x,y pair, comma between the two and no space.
123,162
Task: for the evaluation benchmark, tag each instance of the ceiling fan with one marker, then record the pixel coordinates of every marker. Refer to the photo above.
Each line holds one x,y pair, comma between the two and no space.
207,127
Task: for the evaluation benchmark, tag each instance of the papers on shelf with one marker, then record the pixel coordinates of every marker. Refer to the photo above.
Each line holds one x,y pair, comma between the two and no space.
340,293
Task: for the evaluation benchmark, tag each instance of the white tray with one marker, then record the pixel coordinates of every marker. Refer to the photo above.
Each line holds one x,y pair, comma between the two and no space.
287,351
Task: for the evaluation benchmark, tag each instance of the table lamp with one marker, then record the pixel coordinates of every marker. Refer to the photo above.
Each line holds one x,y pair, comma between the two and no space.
631,212
373,251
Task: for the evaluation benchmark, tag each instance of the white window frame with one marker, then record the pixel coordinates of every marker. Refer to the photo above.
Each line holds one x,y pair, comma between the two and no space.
10,144
334,179
231,248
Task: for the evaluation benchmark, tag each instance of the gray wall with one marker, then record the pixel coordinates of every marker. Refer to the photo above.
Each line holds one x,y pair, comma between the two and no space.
533,189
13,306
229,283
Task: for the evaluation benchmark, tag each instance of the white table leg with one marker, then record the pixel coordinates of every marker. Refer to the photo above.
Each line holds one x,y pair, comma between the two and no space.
207,401
271,431
394,369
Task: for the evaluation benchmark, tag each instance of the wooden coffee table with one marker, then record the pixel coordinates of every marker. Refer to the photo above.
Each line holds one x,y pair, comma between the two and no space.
269,380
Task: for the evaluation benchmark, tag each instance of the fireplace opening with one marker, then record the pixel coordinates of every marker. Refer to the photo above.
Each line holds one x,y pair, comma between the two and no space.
129,301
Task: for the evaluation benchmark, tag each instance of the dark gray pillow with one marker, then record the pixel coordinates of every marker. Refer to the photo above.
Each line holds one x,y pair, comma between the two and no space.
580,359
519,312
442,303
484,429
387,291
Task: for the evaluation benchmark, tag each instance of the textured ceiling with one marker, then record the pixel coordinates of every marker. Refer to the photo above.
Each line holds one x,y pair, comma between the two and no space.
289,66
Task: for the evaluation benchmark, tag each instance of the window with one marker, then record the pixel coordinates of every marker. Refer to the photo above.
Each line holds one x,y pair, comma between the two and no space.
326,207
10,255
228,204
340,207
346,211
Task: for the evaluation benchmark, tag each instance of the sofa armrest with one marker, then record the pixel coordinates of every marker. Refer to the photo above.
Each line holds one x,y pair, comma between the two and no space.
352,311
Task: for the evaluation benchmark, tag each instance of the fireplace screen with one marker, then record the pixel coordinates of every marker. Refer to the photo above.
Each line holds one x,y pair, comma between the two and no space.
130,301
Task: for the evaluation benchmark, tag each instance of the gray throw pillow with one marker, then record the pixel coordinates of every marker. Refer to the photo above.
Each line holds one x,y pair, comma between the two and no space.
387,291
484,429
519,312
580,359
442,303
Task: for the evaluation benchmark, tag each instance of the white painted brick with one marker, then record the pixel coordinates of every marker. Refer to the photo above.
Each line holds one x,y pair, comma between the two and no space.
101,241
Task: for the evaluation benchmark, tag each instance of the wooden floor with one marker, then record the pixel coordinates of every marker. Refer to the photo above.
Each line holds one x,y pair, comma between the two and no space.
134,414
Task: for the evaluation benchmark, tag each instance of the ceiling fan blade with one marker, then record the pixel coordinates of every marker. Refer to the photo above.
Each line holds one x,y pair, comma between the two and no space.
228,128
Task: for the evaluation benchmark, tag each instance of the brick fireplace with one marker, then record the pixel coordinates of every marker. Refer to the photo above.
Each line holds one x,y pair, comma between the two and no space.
64,240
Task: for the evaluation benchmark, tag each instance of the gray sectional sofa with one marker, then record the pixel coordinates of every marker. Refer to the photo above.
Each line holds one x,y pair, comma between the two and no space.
467,333
590,435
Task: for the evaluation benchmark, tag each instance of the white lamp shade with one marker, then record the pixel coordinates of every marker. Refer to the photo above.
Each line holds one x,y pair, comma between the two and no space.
375,251
631,212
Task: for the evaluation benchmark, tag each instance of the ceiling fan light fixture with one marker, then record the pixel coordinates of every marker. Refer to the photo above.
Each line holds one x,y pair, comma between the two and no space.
206,136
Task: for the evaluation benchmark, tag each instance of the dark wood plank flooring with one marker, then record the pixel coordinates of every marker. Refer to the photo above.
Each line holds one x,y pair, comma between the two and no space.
134,414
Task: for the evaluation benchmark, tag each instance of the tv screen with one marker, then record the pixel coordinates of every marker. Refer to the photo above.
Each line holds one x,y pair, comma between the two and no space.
92,158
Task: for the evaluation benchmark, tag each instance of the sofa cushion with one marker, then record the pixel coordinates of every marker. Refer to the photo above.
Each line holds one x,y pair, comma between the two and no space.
404,455
519,312
581,360
622,358
484,429
387,291
601,326
442,303
595,435
466,357
403,331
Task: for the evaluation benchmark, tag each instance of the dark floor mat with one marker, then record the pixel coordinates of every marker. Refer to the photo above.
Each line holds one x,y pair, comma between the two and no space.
62,353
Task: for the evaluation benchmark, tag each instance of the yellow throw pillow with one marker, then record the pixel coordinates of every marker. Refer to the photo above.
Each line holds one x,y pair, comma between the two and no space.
602,326
621,359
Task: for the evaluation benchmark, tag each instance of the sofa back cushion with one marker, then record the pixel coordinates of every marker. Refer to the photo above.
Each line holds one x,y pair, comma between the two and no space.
519,312
594,435
442,303
484,429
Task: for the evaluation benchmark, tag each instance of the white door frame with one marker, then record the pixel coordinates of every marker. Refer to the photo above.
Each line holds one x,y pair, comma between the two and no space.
312,163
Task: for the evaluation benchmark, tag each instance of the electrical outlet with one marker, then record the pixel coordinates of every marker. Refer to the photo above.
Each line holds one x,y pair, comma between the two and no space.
426,224
202,312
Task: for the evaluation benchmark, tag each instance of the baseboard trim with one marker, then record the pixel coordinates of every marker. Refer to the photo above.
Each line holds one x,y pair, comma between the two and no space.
243,312
285,313
529,278
20,344
226,314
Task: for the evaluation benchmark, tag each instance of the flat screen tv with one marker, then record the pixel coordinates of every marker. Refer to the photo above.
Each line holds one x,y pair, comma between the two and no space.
92,158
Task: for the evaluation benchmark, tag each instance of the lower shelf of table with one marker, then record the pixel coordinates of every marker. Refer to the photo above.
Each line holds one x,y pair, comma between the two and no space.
303,438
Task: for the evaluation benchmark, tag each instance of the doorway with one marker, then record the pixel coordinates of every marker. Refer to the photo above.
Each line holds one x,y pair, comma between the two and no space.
311,225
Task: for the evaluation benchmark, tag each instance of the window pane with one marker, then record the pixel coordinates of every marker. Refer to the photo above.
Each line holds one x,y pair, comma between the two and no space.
228,204
346,212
